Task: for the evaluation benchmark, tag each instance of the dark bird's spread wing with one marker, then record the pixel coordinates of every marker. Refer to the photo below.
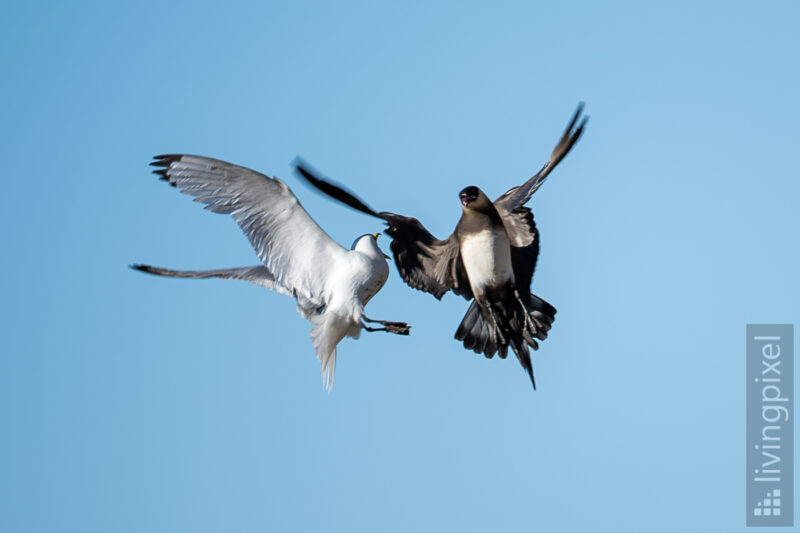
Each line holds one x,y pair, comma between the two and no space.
518,219
519,196
423,261
524,238
337,192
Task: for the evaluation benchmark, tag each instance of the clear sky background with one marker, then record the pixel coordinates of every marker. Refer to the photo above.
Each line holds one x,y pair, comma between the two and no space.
130,403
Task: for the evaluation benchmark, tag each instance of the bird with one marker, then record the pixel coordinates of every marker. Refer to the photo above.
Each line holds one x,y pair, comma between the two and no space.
330,284
489,259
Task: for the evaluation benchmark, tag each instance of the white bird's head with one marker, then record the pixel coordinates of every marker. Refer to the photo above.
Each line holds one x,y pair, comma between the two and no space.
368,245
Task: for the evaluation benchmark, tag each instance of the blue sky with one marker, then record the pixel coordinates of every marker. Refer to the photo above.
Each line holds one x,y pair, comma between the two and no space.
130,403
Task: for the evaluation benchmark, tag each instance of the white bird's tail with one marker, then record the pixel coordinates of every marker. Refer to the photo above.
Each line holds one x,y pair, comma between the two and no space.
329,329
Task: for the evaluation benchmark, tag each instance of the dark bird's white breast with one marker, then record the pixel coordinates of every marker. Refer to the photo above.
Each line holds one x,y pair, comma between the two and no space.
486,255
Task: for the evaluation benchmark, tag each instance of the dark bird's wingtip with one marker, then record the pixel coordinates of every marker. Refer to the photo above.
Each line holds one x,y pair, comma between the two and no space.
575,117
307,172
570,136
579,130
327,186
298,162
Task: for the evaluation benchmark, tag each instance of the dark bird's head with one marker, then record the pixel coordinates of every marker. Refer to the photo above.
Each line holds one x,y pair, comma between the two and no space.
474,199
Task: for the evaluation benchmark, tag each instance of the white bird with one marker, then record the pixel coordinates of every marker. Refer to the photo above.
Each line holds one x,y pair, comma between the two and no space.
331,285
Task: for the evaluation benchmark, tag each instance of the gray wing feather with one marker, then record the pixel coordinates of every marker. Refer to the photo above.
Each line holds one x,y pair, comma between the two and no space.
254,274
520,226
297,253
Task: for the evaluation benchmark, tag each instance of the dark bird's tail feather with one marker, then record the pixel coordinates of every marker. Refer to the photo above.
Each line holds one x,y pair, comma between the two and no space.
478,333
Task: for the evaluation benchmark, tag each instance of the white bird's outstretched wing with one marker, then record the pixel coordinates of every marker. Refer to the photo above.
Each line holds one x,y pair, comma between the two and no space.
295,250
255,274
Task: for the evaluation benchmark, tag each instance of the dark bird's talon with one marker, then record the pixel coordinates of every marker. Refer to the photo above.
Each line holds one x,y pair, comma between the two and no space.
398,328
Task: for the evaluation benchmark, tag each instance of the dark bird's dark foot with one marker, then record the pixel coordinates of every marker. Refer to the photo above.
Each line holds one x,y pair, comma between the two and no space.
499,339
398,328
530,327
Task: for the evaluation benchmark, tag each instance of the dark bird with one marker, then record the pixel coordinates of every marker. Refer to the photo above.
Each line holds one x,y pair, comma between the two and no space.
490,258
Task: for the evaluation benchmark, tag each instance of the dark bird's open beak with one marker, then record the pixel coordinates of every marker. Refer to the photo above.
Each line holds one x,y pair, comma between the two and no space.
465,200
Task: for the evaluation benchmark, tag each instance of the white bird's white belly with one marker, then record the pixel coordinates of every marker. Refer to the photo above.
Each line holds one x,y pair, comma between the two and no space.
362,278
487,258
353,283
374,281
